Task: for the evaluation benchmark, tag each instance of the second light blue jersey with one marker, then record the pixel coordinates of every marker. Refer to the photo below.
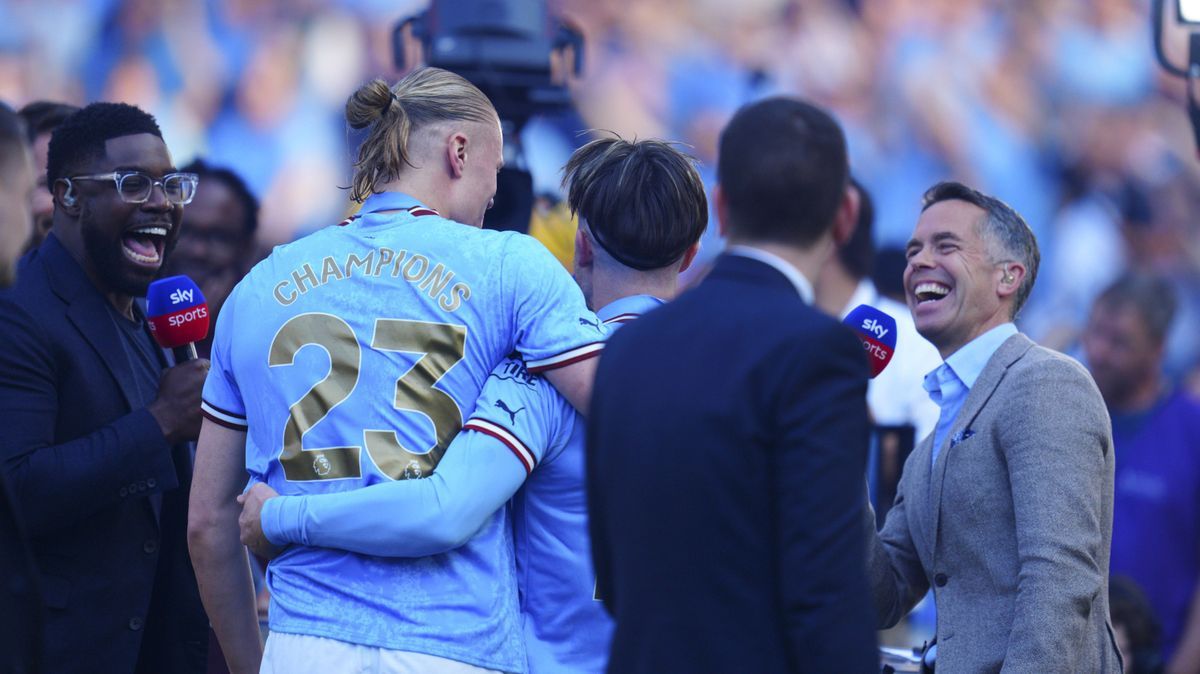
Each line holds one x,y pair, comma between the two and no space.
348,357
565,625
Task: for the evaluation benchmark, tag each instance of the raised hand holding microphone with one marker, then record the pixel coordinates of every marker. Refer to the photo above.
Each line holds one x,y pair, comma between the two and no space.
178,317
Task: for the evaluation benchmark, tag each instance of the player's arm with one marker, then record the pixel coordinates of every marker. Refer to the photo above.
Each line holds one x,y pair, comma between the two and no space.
559,337
516,421
1056,461
56,484
406,518
222,569
574,382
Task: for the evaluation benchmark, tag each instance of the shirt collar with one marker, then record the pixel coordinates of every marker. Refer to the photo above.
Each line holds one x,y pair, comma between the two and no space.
865,293
969,361
388,201
628,308
803,285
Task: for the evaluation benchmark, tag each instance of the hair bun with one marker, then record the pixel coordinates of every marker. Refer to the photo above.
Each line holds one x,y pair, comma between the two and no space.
368,104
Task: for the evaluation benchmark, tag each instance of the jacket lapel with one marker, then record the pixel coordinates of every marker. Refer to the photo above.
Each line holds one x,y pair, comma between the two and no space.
87,311
993,373
920,501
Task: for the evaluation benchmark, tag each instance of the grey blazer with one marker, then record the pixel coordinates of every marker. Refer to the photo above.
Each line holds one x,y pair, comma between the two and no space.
1012,526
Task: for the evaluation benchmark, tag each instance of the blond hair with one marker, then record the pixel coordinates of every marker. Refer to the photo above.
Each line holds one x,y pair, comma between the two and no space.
425,96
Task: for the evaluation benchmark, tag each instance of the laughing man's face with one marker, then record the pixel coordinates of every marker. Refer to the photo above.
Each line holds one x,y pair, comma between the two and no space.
124,243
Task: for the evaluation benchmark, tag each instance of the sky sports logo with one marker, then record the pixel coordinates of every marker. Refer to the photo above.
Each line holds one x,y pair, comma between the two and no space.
183,295
177,312
187,316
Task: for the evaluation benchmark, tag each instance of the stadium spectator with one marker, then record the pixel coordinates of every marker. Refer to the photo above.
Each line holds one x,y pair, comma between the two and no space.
1137,632
895,396
1156,433
41,119
216,240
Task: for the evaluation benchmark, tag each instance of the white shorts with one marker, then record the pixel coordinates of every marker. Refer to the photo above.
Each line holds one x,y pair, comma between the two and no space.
301,653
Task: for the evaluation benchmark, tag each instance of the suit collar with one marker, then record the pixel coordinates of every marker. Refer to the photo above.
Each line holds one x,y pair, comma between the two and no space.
989,379
793,275
740,268
88,310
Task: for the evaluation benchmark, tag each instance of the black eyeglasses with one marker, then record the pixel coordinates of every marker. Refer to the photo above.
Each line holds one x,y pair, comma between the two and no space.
134,187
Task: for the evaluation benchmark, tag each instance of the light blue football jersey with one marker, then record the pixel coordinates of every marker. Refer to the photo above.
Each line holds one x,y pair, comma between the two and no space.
565,625
348,357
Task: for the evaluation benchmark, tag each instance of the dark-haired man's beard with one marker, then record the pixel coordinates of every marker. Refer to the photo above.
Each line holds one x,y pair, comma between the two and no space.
117,273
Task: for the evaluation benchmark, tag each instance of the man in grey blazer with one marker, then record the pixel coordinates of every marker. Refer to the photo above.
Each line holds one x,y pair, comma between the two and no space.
1006,509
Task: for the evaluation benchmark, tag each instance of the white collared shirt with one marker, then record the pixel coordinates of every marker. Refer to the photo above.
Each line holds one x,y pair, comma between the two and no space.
803,285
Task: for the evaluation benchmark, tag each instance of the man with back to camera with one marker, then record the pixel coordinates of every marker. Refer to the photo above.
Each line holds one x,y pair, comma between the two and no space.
642,208
97,418
345,358
1156,434
1007,508
728,434
41,119
21,620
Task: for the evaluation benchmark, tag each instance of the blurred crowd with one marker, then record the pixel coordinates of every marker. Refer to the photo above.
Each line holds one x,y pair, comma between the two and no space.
1055,106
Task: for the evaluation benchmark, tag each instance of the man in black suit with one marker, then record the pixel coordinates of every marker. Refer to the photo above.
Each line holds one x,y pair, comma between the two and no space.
728,435
96,420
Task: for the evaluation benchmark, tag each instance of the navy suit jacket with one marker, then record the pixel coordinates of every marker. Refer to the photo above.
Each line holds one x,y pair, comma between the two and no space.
727,445
101,493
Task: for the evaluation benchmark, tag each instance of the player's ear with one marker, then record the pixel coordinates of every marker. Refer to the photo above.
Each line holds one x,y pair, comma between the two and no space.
456,153
584,255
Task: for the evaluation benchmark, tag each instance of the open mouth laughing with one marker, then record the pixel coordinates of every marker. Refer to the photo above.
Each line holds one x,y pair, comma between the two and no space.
144,245
930,292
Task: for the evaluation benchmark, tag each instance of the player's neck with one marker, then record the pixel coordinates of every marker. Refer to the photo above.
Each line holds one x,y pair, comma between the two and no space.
610,285
419,186
834,288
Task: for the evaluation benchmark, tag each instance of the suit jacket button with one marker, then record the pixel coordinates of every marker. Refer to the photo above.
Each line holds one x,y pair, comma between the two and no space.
940,580
124,492
141,485
135,624
152,483
150,546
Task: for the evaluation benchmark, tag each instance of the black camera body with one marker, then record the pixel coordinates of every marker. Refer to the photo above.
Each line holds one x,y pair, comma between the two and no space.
504,47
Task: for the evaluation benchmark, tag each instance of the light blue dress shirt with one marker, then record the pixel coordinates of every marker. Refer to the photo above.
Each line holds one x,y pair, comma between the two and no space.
950,383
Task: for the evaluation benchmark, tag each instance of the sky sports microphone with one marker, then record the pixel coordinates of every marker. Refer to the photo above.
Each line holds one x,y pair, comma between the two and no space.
877,331
178,315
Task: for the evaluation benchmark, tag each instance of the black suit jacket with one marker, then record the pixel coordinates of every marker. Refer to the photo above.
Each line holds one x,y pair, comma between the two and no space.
726,451
101,493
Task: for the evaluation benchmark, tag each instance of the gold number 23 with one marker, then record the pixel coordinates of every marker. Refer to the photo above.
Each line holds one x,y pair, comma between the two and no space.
441,345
